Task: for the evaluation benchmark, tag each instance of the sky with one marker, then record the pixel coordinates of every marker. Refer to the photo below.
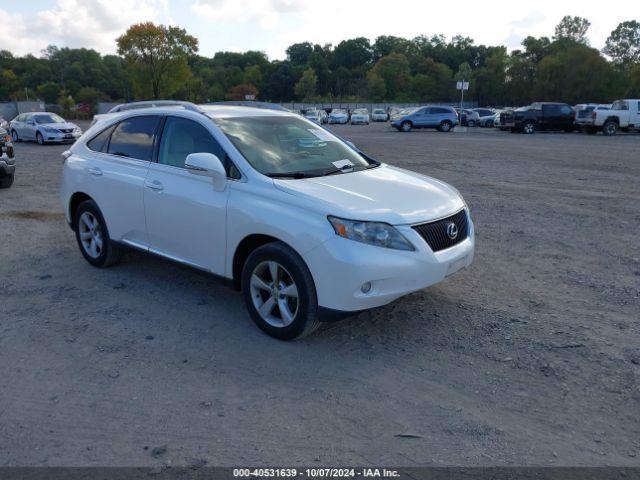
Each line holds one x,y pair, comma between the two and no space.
272,25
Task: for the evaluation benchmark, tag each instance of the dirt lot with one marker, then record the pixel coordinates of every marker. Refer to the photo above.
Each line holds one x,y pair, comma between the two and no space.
532,357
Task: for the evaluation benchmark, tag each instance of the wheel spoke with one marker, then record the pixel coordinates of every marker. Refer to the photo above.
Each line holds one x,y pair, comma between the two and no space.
290,291
285,313
98,242
85,235
273,270
257,282
93,249
266,308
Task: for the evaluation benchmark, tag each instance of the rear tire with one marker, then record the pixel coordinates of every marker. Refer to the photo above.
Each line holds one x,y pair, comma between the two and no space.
92,236
471,123
285,307
6,182
445,126
610,128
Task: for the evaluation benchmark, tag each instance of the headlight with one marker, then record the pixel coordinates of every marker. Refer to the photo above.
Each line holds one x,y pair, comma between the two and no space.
50,130
371,233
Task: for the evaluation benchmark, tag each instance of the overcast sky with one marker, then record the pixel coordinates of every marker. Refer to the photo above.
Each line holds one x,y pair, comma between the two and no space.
272,25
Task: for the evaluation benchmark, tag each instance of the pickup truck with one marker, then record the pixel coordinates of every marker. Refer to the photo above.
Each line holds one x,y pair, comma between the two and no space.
539,116
624,115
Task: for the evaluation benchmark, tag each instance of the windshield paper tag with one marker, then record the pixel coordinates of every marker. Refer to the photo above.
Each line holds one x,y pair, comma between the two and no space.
342,164
322,135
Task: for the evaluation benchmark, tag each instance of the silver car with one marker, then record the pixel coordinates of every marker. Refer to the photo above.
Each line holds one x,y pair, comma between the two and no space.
43,127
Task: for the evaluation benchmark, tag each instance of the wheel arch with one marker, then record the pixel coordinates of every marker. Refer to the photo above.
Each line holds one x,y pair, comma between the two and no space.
246,246
74,201
612,118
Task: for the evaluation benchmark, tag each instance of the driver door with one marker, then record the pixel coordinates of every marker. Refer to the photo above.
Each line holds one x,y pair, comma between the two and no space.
186,217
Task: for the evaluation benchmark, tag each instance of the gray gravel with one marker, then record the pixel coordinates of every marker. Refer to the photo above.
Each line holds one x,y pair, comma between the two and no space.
532,357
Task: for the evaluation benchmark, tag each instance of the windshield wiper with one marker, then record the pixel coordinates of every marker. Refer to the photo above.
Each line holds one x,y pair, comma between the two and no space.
288,175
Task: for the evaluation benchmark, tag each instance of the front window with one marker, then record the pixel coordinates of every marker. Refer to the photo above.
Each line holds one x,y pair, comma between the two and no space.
289,146
338,111
620,105
48,118
360,111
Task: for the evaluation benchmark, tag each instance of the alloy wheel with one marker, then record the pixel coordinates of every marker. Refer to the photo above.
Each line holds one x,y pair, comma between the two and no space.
14,135
274,294
90,234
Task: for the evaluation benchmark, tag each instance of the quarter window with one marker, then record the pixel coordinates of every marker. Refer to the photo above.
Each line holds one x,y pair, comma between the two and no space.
100,142
133,138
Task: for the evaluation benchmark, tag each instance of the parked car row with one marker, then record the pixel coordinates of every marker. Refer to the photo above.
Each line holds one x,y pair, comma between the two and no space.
590,118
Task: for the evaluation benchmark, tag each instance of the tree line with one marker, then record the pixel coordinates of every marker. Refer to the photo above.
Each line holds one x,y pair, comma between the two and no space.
157,61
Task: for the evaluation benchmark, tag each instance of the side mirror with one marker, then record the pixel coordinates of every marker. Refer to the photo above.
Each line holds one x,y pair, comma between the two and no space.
207,165
31,122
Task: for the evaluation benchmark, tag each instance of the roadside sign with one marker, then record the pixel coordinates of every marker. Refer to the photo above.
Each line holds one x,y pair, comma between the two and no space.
462,86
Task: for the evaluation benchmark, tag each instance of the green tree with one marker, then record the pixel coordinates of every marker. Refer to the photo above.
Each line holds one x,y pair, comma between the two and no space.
572,28
50,92
377,87
394,70
156,57
623,45
306,87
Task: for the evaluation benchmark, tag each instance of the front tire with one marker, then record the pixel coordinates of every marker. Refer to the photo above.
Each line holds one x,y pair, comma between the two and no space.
279,292
93,236
528,128
406,127
6,182
471,123
39,138
610,128
15,137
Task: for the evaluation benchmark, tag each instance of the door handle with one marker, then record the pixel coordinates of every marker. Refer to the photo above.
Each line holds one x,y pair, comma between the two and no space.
95,171
154,185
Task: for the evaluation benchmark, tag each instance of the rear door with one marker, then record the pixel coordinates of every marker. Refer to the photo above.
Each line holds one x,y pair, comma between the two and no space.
116,171
186,217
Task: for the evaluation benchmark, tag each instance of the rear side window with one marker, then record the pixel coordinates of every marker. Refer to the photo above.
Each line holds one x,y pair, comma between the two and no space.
100,142
440,110
133,137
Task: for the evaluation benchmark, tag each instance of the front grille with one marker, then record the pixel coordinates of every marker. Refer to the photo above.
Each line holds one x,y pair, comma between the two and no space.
506,118
435,233
66,130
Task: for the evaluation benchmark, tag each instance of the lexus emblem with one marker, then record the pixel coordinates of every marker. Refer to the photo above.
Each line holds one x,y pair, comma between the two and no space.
452,230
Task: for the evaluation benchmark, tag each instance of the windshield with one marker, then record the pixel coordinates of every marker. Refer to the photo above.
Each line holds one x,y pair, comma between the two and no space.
278,146
312,113
378,111
360,111
48,118
337,110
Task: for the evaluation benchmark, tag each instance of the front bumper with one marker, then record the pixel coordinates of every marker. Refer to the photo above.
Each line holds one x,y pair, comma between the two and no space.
60,137
340,267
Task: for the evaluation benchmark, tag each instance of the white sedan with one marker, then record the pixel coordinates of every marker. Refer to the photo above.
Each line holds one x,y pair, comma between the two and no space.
304,224
379,115
338,115
360,116
314,115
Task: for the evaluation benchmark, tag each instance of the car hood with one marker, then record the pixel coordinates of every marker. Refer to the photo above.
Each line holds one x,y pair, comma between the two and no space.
58,125
338,115
386,194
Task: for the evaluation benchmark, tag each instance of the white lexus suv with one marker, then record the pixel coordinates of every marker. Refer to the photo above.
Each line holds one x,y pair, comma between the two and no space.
305,224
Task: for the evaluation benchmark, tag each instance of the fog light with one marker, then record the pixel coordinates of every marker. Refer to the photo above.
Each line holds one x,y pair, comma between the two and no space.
366,287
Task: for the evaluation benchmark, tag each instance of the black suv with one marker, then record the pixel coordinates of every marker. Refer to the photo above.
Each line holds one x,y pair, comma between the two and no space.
539,116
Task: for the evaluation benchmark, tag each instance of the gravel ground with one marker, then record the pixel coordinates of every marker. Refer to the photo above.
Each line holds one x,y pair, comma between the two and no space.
531,357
